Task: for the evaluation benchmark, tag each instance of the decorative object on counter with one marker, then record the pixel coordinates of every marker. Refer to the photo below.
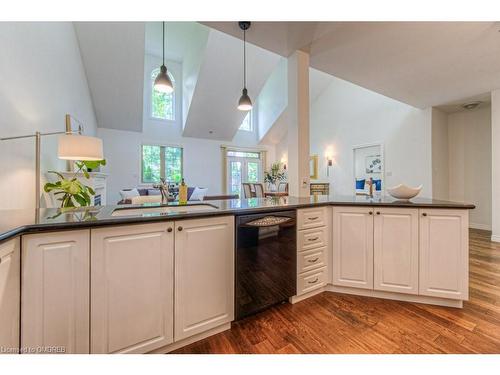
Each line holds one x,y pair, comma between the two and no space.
313,167
183,193
163,188
71,192
274,175
319,188
403,192
69,148
245,103
163,83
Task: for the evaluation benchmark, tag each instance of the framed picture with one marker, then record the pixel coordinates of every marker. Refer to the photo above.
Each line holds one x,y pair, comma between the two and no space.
313,167
373,164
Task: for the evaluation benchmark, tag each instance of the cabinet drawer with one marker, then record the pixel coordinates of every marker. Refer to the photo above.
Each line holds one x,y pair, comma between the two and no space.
311,218
311,239
311,259
311,280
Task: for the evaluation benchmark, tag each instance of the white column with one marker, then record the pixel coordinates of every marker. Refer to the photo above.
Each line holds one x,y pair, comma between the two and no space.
298,124
495,165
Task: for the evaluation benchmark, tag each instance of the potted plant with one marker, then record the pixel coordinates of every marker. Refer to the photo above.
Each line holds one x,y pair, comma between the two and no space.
71,192
274,175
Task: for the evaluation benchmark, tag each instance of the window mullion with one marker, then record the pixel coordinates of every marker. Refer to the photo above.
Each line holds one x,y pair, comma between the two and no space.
162,161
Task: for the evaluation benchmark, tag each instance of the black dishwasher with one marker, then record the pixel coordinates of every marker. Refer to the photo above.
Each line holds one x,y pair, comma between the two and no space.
266,261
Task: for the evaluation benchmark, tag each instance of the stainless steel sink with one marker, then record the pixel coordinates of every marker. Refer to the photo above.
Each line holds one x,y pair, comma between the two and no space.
162,210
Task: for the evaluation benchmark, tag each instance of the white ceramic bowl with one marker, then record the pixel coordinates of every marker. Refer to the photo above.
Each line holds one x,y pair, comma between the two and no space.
402,191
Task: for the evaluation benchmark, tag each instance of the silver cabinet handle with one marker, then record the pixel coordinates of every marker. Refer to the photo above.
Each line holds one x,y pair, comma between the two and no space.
314,281
313,260
313,218
313,239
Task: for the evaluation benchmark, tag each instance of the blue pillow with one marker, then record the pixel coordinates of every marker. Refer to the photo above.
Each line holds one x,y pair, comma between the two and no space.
360,184
378,185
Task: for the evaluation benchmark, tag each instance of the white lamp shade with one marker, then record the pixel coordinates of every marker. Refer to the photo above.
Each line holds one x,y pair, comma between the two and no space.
79,147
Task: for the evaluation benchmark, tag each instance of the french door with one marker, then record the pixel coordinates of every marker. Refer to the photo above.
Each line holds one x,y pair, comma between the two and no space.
242,169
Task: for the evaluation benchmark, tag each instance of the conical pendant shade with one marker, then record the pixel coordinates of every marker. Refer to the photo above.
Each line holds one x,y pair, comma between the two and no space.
163,83
245,103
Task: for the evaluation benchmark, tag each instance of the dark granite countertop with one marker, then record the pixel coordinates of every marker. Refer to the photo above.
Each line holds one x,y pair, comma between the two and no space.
15,222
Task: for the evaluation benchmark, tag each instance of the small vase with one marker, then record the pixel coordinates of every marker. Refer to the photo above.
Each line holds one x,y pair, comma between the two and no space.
272,187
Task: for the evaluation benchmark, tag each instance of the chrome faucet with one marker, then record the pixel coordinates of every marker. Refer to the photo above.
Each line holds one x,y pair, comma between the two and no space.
163,187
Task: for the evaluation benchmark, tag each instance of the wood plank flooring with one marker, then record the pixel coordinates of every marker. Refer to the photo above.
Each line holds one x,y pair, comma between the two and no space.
340,323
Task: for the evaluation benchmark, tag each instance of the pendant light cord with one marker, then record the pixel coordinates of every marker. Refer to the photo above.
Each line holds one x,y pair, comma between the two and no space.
163,44
244,59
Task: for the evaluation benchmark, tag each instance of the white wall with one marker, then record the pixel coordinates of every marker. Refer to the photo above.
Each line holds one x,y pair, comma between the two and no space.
469,143
440,165
202,157
345,115
41,79
273,98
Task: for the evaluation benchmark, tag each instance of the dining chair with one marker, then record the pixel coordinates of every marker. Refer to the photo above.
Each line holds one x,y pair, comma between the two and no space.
283,187
259,190
247,190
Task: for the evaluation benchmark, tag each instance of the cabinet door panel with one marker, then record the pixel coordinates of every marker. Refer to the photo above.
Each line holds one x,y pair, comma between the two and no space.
444,253
353,247
10,294
55,291
396,250
204,274
132,291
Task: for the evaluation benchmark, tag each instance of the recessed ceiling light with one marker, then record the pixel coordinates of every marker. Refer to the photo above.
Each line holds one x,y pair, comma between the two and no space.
471,105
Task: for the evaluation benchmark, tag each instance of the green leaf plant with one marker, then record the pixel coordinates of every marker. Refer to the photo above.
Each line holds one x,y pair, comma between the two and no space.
71,192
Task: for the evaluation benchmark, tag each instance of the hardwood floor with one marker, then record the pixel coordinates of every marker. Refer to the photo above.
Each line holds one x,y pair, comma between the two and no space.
340,323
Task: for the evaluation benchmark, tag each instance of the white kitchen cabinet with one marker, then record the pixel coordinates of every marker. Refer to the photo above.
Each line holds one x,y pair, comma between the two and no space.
396,249
132,288
204,275
10,293
444,253
55,292
353,247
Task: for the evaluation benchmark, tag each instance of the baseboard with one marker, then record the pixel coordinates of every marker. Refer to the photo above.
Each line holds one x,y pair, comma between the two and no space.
479,226
495,238
395,296
302,297
200,336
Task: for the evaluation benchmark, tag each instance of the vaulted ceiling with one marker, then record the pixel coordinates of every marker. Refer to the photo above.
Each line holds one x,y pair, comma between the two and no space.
419,63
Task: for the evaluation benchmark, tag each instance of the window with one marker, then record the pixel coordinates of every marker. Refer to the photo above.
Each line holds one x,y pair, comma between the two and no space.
162,104
246,125
161,161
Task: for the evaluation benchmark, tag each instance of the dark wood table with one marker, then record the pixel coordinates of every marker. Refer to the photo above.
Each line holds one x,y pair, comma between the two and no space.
275,194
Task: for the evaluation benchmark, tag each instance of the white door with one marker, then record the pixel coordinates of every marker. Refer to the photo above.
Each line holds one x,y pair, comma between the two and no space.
353,247
55,292
444,253
396,250
204,274
242,169
10,293
132,288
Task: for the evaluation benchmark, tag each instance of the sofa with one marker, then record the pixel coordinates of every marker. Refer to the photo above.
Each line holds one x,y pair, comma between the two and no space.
156,195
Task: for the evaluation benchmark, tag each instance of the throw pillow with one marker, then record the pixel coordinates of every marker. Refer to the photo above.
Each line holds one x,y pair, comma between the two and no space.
198,194
128,194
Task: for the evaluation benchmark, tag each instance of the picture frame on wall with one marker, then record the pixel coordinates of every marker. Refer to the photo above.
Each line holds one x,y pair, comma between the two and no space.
313,167
373,164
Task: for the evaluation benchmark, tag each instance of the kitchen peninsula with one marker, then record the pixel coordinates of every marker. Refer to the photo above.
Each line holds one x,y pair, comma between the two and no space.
154,278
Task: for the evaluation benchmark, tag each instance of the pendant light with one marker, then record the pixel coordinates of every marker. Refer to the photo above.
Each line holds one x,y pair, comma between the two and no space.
162,80
245,103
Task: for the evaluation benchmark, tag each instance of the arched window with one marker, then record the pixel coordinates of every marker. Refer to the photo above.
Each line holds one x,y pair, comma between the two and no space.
162,104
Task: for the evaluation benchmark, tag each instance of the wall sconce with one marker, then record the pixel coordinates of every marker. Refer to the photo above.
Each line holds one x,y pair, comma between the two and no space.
328,165
283,161
329,160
